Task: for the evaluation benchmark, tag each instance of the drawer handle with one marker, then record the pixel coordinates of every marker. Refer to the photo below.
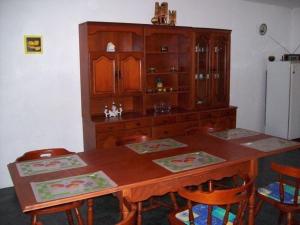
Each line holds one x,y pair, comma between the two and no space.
166,132
138,124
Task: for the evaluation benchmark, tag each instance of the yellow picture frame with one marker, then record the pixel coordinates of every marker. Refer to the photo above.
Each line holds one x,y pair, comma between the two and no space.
33,44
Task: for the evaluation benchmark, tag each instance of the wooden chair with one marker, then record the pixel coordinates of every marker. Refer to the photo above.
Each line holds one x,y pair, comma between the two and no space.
227,206
283,194
153,203
130,219
47,153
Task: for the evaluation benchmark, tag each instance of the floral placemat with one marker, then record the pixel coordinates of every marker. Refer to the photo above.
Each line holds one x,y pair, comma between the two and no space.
188,161
70,186
270,144
33,167
155,145
234,133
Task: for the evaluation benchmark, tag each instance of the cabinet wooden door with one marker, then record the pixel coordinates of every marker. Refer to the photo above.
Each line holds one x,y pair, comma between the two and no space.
116,73
202,76
103,74
130,73
219,48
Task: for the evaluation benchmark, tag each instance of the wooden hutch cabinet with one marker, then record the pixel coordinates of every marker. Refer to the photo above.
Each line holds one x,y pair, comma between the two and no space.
184,69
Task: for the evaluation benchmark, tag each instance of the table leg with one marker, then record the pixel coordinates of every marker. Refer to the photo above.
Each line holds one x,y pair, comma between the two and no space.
90,214
252,172
252,207
123,207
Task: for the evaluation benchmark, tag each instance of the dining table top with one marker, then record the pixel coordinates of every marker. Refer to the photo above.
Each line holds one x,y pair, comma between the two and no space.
129,169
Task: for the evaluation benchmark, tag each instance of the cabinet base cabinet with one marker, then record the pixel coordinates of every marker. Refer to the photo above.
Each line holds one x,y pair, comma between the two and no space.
107,133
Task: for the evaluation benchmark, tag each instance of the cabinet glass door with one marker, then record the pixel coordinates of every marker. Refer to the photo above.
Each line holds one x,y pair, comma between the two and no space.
219,70
202,76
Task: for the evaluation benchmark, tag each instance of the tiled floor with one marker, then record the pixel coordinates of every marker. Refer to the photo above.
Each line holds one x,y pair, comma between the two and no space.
106,208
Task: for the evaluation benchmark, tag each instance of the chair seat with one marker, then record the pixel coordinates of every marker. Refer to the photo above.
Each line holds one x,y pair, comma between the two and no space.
272,191
200,214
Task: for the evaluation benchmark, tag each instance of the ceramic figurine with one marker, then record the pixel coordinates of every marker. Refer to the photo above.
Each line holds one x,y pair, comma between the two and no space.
110,47
114,111
106,111
120,110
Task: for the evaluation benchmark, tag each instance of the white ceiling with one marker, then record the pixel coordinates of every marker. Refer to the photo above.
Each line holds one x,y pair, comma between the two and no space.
286,3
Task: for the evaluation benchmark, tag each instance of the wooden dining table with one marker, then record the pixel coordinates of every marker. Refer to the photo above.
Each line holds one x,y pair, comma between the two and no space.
138,177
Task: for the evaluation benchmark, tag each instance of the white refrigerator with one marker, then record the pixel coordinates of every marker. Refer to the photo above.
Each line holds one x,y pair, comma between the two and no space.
283,99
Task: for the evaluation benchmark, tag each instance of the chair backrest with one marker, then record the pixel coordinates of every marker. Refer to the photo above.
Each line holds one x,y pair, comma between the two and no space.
132,139
43,153
227,199
288,175
131,218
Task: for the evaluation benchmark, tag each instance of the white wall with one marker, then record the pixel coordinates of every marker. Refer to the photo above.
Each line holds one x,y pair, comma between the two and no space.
295,32
40,94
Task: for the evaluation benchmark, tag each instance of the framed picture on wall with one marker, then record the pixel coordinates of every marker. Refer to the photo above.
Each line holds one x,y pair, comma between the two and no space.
33,44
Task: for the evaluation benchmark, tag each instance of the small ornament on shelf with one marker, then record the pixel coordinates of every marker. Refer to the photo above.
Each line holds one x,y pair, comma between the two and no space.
159,84
151,69
110,47
164,48
120,110
173,69
106,111
114,111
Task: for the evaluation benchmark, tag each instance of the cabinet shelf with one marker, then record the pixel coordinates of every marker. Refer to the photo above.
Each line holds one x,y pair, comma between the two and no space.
167,92
166,73
164,53
115,52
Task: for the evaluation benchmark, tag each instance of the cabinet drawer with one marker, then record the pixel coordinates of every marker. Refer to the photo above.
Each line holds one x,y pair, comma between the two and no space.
204,115
138,123
138,131
188,117
124,133
107,127
171,130
166,131
164,120
221,113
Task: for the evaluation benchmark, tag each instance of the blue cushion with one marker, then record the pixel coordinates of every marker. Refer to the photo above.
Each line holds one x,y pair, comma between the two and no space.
272,191
200,214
